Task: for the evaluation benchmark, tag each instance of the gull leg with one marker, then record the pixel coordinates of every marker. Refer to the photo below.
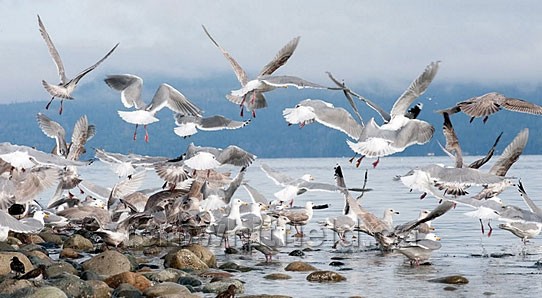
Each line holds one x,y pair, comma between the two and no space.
376,162
490,229
482,225
146,134
423,196
359,161
352,159
135,132
49,103
61,104
253,113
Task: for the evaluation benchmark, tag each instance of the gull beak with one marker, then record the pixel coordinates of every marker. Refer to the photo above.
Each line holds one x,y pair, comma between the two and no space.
243,203
46,215
264,207
288,232
437,238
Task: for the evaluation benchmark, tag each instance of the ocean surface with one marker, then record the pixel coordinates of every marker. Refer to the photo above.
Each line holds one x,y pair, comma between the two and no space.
496,266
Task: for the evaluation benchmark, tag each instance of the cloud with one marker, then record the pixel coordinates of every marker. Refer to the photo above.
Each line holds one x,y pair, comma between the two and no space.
388,42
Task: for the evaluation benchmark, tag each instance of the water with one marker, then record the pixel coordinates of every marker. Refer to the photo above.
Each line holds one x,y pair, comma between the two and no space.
464,251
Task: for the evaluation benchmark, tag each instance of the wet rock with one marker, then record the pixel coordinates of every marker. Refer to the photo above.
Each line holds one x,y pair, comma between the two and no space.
134,264
127,291
49,292
220,286
153,250
72,285
78,242
452,279
216,274
108,263
336,264
189,281
10,286
5,260
184,259
14,241
4,246
33,247
100,289
49,236
297,253
299,266
203,254
450,288
233,267
38,257
266,296
488,293
277,276
138,241
231,251
60,268
339,258
169,290
69,253
169,274
499,255
33,238
325,276
90,275
135,279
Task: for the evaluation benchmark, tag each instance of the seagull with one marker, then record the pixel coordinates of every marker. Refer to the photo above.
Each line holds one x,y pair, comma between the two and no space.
24,157
25,226
490,103
188,125
66,86
298,217
82,132
400,131
228,225
264,81
294,186
269,245
419,250
126,164
166,96
205,158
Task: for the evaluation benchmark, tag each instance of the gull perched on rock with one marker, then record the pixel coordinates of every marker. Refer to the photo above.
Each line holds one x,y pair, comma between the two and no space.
66,86
228,225
166,96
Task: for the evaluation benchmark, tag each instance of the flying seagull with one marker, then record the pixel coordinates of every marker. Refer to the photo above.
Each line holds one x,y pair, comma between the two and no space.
66,86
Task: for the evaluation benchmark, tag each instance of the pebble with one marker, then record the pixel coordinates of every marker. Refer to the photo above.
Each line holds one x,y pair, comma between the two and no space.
108,263
79,243
126,291
325,276
135,279
184,259
299,266
277,276
452,279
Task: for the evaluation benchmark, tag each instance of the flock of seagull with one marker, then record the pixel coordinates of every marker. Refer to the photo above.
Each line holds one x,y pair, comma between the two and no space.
197,199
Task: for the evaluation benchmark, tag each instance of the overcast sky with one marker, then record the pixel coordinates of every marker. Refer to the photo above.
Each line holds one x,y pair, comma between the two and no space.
387,43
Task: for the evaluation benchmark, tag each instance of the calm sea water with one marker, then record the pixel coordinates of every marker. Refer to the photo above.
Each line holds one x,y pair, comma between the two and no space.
494,265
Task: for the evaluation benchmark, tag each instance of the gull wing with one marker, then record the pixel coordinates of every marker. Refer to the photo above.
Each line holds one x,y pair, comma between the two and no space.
281,58
53,52
91,68
415,90
239,72
174,100
510,154
130,89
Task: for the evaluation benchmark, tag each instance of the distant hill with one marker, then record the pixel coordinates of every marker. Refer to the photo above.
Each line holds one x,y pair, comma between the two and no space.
268,135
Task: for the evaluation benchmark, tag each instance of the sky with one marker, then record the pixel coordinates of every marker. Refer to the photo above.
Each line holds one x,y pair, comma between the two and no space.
384,44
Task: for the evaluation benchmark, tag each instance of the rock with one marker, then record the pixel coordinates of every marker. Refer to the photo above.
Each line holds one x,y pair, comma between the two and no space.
108,263
138,241
189,281
231,251
14,241
153,250
296,253
78,242
90,275
33,238
336,264
277,276
325,276
220,286
69,253
184,259
60,268
169,274
127,291
100,289
216,274
266,296
450,288
49,292
10,286
452,279
49,236
233,267
168,290
72,285
135,279
203,253
299,266
5,260
4,246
